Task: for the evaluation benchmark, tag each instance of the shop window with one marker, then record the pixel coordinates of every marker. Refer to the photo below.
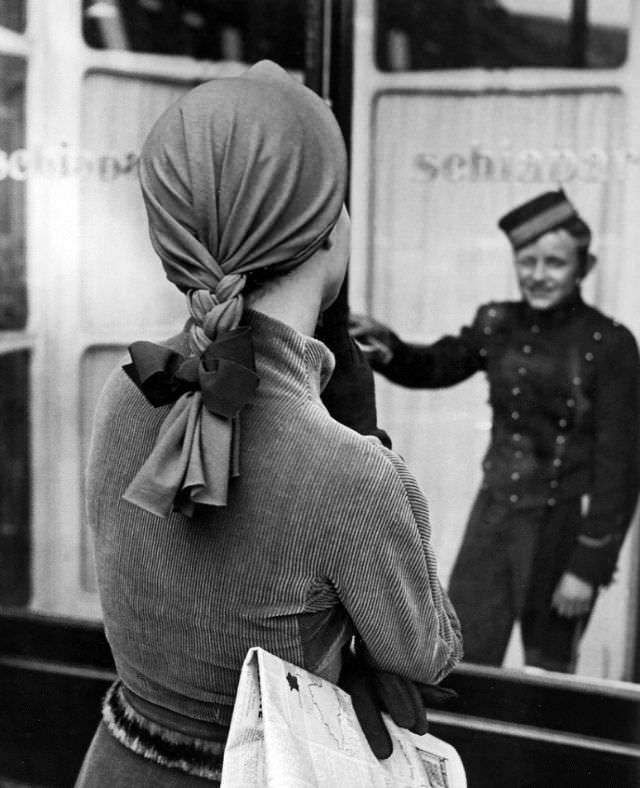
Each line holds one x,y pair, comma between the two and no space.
13,297
239,30
13,15
117,113
14,479
448,34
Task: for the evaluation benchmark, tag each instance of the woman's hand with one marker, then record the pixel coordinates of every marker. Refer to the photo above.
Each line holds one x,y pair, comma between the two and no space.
572,596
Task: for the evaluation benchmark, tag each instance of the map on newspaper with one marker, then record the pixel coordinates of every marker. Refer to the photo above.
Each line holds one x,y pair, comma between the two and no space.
291,729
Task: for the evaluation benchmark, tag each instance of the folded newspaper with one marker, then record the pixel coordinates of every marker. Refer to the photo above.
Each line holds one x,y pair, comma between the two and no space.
291,729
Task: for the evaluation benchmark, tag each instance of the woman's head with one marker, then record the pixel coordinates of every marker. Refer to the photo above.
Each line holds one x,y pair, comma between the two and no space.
242,174
300,295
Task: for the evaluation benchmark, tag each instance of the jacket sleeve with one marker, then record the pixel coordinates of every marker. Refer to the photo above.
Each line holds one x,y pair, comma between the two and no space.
446,362
388,581
616,473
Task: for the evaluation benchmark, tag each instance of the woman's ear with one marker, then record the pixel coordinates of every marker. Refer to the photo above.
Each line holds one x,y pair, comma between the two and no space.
589,262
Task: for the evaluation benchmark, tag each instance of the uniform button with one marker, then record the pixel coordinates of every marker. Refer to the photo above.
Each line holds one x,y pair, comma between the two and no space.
557,462
562,423
615,323
487,329
571,402
576,381
535,329
597,336
526,349
589,356
492,312
515,391
515,476
518,454
553,484
560,439
551,502
522,371
483,351
515,415
488,464
513,498
516,437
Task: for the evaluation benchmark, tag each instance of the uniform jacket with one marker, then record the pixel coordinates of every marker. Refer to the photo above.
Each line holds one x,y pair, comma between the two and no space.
563,388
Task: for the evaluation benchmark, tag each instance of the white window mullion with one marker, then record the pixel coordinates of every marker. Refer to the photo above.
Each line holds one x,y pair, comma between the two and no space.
53,111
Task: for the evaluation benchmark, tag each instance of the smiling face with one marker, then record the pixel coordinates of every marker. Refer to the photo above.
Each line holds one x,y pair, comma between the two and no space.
548,269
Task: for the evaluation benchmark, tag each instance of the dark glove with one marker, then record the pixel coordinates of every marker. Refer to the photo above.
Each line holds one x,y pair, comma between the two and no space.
350,394
376,691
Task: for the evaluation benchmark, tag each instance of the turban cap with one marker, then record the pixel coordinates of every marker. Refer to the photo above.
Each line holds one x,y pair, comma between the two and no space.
241,174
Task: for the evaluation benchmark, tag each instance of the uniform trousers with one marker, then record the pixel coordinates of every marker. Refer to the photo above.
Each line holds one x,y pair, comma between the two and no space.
507,569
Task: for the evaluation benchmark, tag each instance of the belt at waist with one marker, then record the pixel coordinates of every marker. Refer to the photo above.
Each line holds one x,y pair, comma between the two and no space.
211,731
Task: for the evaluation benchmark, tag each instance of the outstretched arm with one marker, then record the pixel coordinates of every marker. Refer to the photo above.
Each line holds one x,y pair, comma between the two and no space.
443,363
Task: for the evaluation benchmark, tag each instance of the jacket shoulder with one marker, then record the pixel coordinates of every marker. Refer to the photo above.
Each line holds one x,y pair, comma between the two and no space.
495,314
608,331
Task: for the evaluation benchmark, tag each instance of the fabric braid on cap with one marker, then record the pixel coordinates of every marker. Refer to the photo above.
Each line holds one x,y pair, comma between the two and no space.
216,311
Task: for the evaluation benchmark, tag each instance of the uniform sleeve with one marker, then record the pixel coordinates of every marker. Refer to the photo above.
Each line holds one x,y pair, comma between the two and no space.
614,488
388,582
446,362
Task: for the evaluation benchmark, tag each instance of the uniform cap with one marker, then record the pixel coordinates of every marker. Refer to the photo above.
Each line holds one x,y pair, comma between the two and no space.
542,214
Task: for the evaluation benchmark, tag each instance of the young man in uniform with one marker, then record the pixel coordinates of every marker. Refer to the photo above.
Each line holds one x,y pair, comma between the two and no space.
560,476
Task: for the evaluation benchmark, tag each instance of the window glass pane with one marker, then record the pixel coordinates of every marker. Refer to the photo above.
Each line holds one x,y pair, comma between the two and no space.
14,479
96,365
242,30
13,298
13,15
436,34
119,263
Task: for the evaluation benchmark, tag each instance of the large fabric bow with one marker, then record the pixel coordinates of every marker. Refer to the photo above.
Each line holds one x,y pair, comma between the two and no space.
224,373
197,446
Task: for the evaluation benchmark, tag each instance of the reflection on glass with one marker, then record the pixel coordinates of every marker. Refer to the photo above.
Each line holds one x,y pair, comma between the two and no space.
14,479
117,113
12,15
243,30
440,233
414,34
13,298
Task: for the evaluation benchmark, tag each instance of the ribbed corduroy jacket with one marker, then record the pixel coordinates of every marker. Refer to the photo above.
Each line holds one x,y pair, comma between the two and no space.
325,533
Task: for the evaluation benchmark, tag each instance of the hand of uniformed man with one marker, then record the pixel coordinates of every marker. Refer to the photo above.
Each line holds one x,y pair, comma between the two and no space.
572,596
374,338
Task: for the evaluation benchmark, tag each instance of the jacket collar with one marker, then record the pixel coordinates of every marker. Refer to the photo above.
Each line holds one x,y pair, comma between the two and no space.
558,315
